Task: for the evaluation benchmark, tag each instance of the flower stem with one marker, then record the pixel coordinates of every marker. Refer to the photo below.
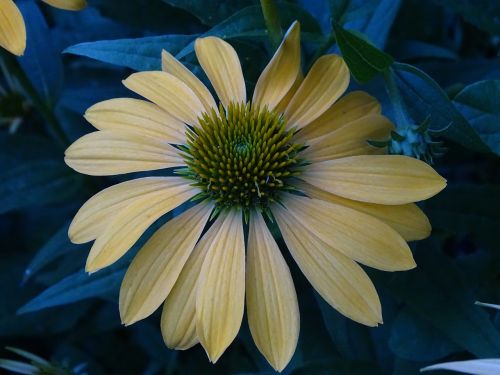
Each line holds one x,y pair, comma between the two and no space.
272,20
396,99
54,127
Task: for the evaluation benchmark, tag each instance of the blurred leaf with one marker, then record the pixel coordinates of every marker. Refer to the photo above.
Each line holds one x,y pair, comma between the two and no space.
479,103
337,367
351,339
211,12
435,291
468,209
17,148
490,305
41,63
416,49
365,61
473,366
36,183
414,339
482,13
423,97
77,287
249,23
139,54
58,245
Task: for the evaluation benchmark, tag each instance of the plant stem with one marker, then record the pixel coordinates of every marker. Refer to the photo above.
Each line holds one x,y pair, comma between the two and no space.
396,99
272,20
54,127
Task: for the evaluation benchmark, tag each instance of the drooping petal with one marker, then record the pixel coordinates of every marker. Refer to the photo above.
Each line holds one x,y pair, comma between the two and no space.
178,320
281,72
221,64
324,84
130,223
351,139
168,92
382,179
220,293
95,215
67,4
136,115
173,66
272,307
110,152
338,279
355,234
351,107
12,28
153,272
487,366
407,219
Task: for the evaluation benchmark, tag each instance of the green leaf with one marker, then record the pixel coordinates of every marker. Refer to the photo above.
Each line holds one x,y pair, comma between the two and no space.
77,287
436,292
364,60
248,23
58,245
211,12
423,97
337,367
352,340
479,103
139,54
414,339
482,14
469,209
35,183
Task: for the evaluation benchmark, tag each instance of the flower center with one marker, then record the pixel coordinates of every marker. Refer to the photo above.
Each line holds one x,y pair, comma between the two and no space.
241,156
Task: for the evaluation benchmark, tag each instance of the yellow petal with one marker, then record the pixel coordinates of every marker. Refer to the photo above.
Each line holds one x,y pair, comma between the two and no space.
222,66
351,107
281,72
324,84
131,222
153,272
350,139
94,216
168,92
12,28
280,108
220,295
407,219
173,66
67,4
178,321
383,179
110,152
338,279
272,307
355,234
136,115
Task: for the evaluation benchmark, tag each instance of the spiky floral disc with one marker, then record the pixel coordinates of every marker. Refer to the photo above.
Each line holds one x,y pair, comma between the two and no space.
241,156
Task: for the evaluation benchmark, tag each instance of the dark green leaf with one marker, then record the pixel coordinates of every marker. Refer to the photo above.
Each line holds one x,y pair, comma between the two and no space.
77,287
211,12
481,13
479,103
414,339
436,292
139,54
365,60
423,97
41,62
36,183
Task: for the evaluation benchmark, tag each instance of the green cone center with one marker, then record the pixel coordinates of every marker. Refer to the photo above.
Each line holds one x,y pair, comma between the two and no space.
241,156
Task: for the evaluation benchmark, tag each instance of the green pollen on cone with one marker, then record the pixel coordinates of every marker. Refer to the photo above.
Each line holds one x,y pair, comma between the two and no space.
241,156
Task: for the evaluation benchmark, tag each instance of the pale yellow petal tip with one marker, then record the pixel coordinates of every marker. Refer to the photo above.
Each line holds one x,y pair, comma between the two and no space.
71,5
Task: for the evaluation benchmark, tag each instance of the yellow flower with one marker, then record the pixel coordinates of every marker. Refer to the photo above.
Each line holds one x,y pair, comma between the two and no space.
296,154
13,29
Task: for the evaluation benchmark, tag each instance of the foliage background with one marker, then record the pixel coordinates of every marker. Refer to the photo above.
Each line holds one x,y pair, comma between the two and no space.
49,306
